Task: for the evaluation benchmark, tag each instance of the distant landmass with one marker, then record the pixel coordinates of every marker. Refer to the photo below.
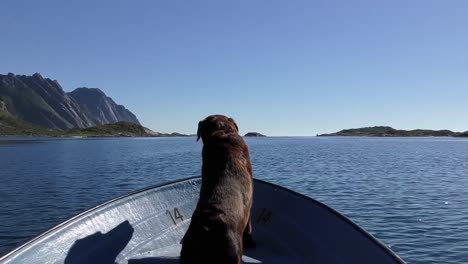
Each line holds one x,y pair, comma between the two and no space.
386,131
43,102
38,106
119,129
254,134
10,126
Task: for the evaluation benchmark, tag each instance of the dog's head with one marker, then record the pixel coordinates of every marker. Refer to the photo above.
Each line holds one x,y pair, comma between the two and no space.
214,123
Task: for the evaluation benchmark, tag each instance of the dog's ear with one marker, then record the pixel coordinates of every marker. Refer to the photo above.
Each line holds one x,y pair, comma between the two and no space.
234,122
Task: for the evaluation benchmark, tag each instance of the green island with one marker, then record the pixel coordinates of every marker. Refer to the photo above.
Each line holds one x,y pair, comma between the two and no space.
386,131
254,134
11,126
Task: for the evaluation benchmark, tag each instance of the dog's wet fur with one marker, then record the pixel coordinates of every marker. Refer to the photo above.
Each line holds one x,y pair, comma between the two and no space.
221,226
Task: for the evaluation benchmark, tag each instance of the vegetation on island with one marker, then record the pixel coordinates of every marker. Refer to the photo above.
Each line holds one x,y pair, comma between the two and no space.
119,129
386,131
10,126
254,134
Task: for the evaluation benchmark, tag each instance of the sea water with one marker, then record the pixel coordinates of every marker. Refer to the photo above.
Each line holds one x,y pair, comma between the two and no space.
410,193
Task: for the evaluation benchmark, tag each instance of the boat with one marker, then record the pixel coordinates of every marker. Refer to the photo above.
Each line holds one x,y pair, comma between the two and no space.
146,227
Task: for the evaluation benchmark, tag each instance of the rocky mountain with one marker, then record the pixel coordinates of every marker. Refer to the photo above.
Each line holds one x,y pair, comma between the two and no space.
43,102
94,102
3,108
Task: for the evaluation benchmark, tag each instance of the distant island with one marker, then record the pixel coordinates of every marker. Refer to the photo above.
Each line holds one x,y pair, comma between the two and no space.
10,126
386,131
38,106
254,134
119,129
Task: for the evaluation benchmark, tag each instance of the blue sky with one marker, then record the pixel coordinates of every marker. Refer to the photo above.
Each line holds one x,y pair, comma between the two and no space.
277,67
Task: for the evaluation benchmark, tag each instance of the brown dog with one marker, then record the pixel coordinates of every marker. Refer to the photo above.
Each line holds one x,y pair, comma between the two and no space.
220,226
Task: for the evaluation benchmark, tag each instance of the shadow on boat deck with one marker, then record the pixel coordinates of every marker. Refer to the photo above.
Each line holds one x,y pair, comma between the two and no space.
106,247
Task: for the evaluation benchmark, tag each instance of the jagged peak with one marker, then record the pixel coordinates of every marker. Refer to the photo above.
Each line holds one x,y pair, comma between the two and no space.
38,75
89,90
35,75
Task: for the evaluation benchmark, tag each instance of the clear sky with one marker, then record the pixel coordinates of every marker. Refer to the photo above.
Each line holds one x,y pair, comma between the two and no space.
277,67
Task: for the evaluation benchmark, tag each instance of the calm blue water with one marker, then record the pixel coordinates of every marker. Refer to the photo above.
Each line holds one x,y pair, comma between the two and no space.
410,193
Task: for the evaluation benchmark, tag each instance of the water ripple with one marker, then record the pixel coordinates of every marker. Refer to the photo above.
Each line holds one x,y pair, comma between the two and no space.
412,194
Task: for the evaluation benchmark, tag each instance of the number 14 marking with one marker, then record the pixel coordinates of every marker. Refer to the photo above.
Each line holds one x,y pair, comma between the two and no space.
176,215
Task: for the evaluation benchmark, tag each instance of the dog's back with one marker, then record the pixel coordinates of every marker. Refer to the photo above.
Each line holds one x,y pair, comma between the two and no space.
226,172
222,217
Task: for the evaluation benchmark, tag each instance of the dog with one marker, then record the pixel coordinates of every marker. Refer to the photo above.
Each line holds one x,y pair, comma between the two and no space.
221,227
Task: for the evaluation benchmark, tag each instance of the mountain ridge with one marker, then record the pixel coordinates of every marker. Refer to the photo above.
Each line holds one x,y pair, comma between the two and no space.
43,102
